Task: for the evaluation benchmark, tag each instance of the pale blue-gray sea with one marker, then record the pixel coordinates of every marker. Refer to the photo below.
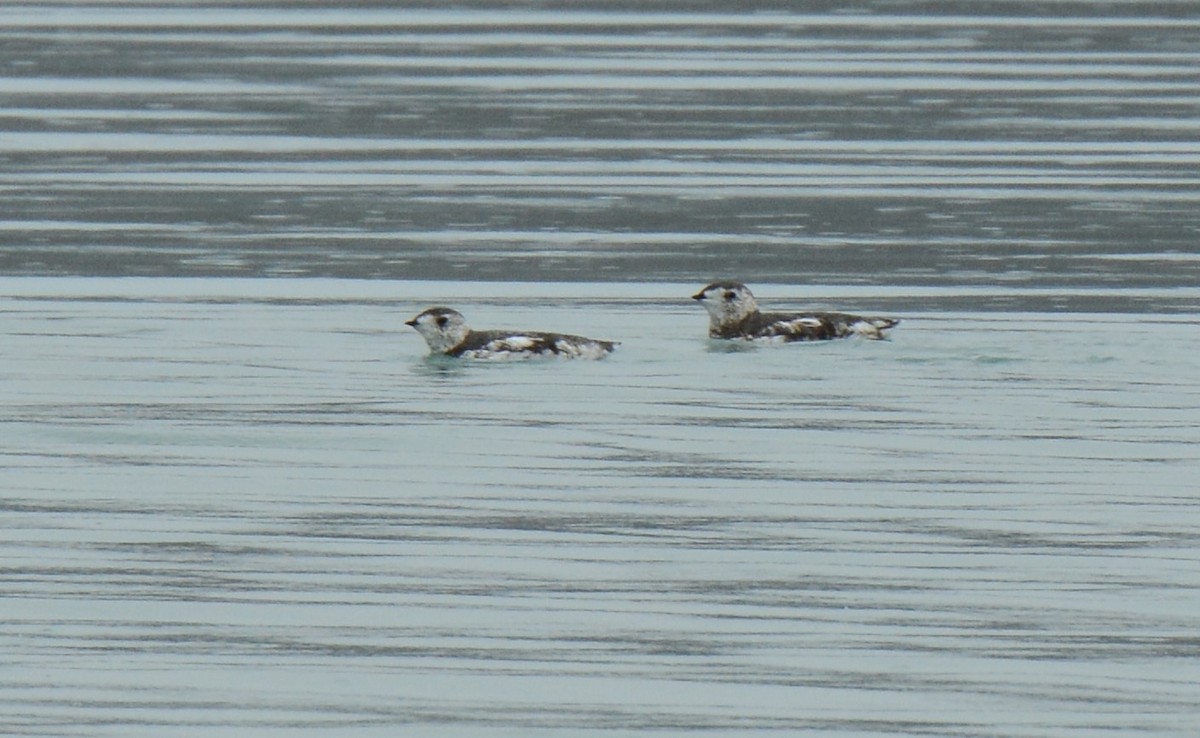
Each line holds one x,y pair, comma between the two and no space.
236,497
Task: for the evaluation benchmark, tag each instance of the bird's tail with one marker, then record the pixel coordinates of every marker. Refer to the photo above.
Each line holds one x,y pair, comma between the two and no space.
873,327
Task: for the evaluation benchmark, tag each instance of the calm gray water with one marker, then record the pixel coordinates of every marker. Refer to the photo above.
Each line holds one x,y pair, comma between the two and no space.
236,498
254,507
893,144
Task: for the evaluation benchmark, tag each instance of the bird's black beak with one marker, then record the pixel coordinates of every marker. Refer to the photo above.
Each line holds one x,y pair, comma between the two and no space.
699,296
412,322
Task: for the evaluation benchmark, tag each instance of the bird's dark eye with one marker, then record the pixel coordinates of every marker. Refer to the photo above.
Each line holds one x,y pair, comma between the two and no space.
442,321
730,296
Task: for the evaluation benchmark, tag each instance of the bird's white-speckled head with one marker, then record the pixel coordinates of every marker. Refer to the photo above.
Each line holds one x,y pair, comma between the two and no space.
441,327
727,302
